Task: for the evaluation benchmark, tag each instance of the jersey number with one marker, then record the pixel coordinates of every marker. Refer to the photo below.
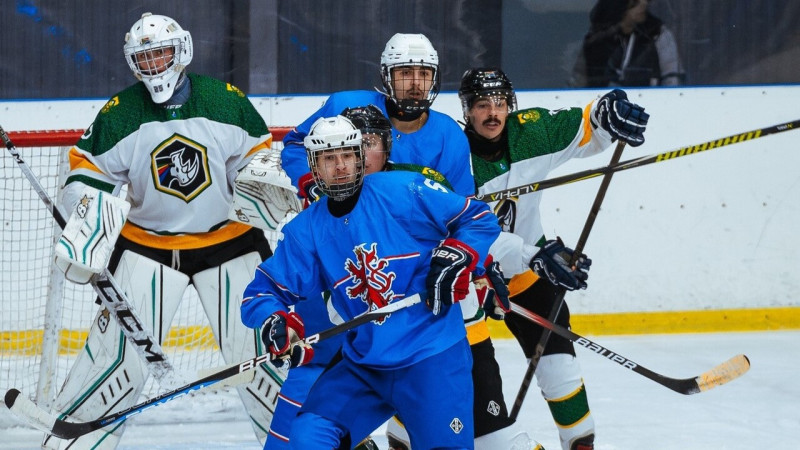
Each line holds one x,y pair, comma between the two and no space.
435,186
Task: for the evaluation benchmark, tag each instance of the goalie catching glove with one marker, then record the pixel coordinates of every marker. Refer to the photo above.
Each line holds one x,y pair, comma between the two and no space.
283,334
552,262
86,244
448,280
622,119
492,290
263,194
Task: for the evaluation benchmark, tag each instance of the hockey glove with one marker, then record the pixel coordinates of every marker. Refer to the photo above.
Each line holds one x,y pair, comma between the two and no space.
448,280
492,290
622,119
309,191
551,263
283,334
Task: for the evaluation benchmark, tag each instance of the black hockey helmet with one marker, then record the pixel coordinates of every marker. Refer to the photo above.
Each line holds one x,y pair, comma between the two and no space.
485,82
370,120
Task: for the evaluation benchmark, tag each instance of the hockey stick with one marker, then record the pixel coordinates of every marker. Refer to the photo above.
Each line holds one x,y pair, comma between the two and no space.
559,301
719,375
107,289
25,409
637,162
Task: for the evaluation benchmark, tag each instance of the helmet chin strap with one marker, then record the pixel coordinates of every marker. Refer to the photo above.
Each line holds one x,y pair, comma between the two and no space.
404,116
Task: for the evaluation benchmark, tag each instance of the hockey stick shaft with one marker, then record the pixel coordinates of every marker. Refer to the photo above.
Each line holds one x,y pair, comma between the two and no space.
559,300
638,162
107,289
721,374
32,414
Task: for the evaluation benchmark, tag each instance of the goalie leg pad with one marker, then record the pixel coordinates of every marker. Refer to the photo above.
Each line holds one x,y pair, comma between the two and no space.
220,290
87,241
559,378
109,372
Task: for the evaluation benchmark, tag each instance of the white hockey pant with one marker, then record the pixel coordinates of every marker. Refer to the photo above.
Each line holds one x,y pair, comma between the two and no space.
559,378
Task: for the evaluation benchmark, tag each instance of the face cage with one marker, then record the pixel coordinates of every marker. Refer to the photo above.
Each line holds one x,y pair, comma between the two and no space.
409,105
146,54
384,135
338,191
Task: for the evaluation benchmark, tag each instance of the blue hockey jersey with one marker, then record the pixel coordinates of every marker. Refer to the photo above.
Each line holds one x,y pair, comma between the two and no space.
378,252
440,144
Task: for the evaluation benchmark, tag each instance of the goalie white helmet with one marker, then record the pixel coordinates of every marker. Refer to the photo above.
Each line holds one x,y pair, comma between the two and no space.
335,156
404,50
158,50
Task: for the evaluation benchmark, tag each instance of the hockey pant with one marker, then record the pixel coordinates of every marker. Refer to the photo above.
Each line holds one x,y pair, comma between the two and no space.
108,375
558,373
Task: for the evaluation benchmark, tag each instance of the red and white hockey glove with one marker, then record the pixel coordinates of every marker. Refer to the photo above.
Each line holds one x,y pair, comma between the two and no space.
448,280
492,290
283,334
308,190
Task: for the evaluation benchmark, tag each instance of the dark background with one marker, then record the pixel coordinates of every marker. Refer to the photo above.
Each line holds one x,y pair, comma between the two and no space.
73,49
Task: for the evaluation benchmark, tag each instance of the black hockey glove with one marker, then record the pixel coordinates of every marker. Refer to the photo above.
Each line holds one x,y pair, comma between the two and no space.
551,263
283,334
622,119
492,291
448,280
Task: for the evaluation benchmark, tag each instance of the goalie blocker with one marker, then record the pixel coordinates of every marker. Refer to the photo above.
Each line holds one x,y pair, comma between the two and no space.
87,241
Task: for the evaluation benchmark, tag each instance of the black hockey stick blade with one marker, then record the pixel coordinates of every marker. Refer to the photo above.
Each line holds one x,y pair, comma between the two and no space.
717,376
29,412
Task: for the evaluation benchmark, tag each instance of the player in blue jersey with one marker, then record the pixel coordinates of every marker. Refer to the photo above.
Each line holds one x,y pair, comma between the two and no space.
376,135
422,136
370,241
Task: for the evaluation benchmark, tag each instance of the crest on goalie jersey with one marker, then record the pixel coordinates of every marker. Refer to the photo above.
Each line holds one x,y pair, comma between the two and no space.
371,283
506,212
180,167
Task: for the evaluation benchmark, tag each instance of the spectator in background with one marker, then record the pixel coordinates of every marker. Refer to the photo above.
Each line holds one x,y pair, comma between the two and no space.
627,46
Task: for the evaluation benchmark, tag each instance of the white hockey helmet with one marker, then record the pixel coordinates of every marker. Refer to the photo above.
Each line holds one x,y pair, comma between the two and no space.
409,50
333,133
158,50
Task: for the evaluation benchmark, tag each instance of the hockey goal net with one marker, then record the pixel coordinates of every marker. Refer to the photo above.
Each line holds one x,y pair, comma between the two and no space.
44,320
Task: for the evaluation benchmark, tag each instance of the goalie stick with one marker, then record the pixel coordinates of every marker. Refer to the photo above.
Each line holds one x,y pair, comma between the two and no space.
559,300
28,411
109,292
719,375
637,162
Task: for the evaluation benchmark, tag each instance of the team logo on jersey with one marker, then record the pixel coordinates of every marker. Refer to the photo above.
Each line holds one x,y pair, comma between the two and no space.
528,116
180,167
233,88
372,284
456,425
110,104
506,212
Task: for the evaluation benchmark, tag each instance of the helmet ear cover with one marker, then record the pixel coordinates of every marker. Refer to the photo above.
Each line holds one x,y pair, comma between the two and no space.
157,51
403,50
485,82
329,134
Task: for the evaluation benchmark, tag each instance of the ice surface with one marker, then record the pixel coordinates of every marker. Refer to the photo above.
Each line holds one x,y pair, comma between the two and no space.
757,411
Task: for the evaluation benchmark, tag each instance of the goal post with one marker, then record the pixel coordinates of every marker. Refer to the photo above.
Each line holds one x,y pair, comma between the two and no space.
44,320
